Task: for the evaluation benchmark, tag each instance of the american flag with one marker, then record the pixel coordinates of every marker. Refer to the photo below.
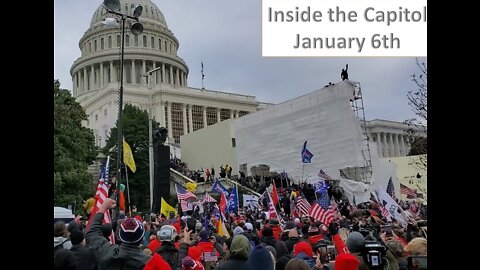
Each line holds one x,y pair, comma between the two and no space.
183,194
303,205
324,200
208,198
101,195
323,175
391,189
186,206
318,213
385,213
407,191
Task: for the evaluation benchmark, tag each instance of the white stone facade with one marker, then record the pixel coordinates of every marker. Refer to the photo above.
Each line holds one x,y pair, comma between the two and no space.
176,106
390,137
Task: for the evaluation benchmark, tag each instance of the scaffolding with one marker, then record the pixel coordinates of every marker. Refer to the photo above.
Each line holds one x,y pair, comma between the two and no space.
363,174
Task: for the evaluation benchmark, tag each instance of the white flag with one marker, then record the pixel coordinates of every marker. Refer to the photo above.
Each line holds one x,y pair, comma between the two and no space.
391,206
250,201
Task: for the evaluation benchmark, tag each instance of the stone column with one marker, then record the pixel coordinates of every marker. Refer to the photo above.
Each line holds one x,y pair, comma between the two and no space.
231,114
111,72
85,80
204,116
185,79
184,118
101,75
190,118
163,72
177,78
74,88
236,113
171,75
397,146
144,68
162,112
181,78
156,73
92,78
169,116
385,145
402,145
218,115
379,145
134,79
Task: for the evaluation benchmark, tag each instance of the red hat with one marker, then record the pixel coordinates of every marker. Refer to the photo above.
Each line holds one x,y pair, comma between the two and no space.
346,261
195,253
303,247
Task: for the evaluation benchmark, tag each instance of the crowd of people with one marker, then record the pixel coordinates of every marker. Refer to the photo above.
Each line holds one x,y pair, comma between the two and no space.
358,237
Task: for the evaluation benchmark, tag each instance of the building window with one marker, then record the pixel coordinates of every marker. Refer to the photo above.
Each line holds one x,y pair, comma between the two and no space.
118,41
144,41
177,121
127,40
105,112
89,46
136,40
152,40
234,143
101,43
165,45
170,47
95,45
109,41
211,116
96,117
224,114
160,44
197,117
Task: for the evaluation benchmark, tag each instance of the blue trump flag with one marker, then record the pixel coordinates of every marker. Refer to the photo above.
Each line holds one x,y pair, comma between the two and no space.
306,155
219,188
233,201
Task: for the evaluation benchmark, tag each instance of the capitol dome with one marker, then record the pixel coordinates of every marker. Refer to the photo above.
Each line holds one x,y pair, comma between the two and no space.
151,12
156,47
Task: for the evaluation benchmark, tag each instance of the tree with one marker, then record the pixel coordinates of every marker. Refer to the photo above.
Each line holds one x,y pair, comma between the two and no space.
74,149
135,132
417,99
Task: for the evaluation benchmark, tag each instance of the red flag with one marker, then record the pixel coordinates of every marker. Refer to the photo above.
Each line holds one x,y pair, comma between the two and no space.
274,195
223,202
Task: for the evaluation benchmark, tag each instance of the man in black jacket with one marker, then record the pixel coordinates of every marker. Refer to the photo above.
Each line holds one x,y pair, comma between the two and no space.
126,256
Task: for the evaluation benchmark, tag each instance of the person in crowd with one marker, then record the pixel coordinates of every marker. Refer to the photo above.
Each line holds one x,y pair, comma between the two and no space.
84,257
239,253
126,256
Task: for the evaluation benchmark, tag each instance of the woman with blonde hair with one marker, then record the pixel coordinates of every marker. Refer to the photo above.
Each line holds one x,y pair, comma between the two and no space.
417,246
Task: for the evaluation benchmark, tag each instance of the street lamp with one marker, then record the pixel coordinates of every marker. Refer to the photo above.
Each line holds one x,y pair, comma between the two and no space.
113,6
148,75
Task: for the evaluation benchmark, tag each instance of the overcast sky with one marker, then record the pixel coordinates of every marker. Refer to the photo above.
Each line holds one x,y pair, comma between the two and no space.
226,36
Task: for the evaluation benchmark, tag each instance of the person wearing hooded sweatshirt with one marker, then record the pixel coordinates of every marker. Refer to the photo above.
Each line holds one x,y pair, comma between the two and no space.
269,239
60,237
304,251
346,261
239,250
260,259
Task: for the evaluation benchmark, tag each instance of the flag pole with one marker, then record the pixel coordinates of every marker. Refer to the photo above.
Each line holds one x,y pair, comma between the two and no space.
128,193
303,170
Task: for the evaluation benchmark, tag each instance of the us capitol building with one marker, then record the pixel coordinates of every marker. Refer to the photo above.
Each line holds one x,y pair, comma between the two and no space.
178,107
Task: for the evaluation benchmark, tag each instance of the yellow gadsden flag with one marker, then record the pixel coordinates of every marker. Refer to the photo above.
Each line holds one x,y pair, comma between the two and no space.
191,186
167,208
222,230
128,156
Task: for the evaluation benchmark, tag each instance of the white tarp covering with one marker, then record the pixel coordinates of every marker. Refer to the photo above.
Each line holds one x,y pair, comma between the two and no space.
359,189
324,118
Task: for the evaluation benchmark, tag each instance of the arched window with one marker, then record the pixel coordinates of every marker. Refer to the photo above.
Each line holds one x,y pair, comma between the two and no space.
127,40
89,46
136,40
95,45
160,44
101,43
144,41
165,45
118,40
109,41
152,41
